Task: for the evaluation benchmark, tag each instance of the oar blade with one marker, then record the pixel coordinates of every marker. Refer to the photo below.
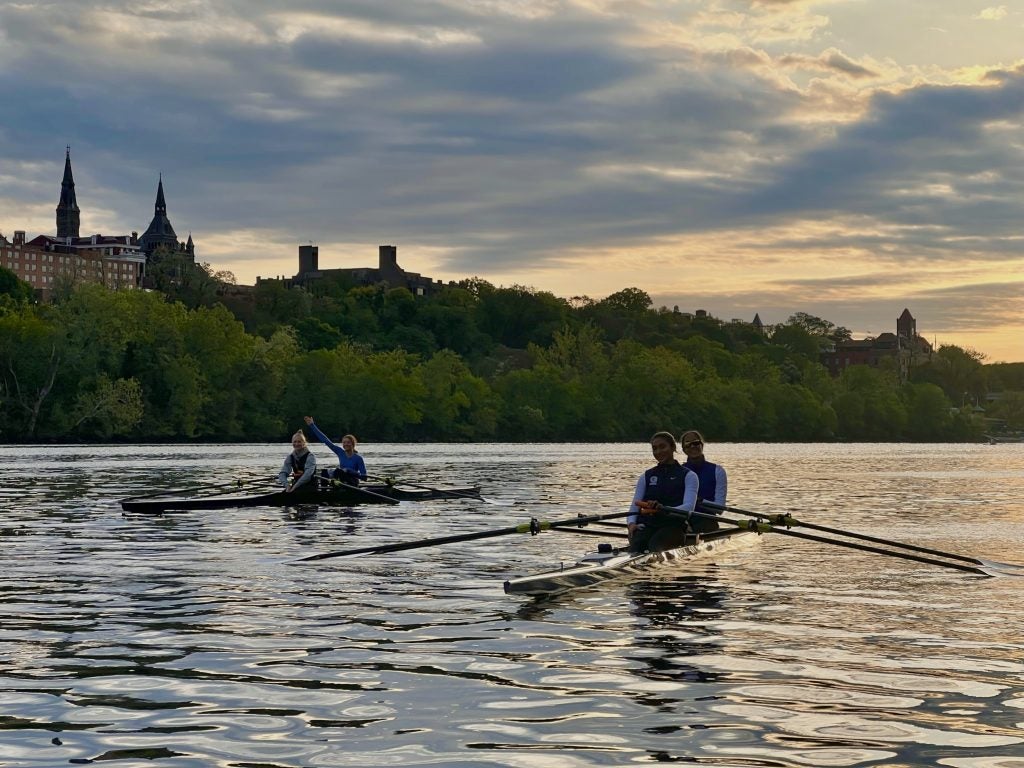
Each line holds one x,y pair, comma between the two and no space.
993,568
498,502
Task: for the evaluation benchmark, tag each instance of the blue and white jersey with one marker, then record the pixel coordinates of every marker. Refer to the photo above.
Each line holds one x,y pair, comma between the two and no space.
713,483
672,484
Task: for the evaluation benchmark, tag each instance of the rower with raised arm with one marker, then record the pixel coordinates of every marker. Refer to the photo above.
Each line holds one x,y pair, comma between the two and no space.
668,486
713,481
299,466
351,468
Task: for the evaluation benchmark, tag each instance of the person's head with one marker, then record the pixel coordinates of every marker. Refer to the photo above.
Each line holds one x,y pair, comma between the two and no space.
299,440
663,446
692,442
348,442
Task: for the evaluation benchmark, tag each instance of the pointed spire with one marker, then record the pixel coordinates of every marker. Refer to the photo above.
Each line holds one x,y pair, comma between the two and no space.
161,207
160,232
68,214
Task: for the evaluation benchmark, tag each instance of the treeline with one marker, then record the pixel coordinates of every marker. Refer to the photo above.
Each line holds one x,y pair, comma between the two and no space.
473,363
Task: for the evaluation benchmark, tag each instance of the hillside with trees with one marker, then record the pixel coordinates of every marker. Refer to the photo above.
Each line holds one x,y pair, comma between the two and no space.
474,362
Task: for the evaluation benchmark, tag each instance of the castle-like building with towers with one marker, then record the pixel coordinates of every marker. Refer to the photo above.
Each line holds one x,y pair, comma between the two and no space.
905,349
117,261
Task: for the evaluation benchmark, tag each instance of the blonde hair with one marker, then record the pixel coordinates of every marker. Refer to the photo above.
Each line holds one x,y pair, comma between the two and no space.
352,438
301,436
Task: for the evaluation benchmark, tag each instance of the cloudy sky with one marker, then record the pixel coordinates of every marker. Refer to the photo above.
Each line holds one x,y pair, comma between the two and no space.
846,158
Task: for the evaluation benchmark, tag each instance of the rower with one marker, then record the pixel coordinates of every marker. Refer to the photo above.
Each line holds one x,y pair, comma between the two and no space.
713,482
351,468
667,486
299,466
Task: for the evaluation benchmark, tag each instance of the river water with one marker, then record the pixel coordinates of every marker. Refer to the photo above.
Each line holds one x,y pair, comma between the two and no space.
193,639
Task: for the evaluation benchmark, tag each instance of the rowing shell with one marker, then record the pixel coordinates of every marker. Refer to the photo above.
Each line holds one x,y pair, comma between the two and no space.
600,566
343,495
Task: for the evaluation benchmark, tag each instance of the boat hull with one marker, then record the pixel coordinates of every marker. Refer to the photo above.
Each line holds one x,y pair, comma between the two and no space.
598,567
341,496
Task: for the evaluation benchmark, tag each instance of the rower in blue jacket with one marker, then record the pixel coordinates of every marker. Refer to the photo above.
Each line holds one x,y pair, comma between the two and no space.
668,486
713,482
351,468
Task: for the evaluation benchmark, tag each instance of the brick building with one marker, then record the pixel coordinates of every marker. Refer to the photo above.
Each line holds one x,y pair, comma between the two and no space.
905,348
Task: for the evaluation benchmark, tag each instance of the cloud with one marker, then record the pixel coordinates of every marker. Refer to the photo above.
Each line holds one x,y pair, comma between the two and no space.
993,13
543,142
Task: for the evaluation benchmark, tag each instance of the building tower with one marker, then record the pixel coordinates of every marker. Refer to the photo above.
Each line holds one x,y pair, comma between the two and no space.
68,214
309,258
160,232
906,325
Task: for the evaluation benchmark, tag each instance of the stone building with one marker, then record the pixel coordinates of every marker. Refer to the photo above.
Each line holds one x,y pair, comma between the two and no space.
905,349
387,272
117,261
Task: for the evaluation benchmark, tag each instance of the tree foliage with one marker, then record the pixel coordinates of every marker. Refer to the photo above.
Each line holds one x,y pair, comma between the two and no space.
468,362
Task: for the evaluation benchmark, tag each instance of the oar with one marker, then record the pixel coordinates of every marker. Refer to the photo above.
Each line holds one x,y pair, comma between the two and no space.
762,527
445,491
365,492
234,485
791,522
533,527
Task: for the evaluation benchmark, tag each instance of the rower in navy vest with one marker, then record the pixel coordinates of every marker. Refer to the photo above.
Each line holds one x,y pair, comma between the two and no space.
300,465
713,482
667,485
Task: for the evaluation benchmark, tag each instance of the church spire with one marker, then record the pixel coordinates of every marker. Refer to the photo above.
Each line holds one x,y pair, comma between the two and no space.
68,213
160,209
160,232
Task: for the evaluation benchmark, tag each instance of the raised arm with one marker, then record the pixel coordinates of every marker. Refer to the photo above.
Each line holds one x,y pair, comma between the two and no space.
338,451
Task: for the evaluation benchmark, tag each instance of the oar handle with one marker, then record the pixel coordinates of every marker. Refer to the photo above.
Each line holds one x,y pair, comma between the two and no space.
789,521
453,493
765,527
534,526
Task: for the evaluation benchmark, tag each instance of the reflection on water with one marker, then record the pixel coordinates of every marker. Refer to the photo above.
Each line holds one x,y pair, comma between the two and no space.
192,639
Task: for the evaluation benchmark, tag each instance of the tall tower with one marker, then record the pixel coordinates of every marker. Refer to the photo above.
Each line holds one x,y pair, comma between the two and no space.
68,214
160,232
906,325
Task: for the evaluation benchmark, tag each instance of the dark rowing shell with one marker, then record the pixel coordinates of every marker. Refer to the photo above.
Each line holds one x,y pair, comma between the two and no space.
343,496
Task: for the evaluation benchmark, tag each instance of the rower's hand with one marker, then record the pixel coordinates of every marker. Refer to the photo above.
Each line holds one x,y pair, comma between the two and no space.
307,419
648,507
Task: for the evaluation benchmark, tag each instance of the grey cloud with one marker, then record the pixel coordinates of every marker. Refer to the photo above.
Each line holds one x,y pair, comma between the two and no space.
500,147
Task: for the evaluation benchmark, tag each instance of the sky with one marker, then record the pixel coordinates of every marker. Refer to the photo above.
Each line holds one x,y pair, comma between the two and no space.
843,158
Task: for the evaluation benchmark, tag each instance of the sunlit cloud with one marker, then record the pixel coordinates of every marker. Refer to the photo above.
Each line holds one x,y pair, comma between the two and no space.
780,155
993,13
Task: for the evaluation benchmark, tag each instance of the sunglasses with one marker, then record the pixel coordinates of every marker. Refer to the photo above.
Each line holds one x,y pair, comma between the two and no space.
693,444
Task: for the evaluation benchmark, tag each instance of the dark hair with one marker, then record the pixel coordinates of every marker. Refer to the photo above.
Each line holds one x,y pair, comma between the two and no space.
691,432
666,436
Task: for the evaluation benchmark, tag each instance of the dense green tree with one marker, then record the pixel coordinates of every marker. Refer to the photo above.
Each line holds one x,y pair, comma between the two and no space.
33,352
1009,409
816,326
458,405
868,405
798,340
14,290
518,316
450,316
469,362
314,333
929,415
960,373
